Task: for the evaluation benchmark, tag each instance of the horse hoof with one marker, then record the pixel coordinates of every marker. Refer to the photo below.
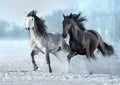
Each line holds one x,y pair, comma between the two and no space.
90,72
35,68
50,71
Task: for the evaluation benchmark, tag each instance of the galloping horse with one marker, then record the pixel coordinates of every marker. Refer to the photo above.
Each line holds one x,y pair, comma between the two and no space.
82,41
41,41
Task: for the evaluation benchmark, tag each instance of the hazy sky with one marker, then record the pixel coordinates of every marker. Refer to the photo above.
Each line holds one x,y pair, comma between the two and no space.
14,10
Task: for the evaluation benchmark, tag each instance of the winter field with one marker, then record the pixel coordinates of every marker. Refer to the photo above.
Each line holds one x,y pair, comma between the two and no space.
16,67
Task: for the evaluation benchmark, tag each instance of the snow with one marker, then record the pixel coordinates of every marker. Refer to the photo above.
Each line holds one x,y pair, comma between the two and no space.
16,67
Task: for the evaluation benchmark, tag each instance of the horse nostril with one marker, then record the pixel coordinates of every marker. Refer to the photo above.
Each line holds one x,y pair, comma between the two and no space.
28,28
64,35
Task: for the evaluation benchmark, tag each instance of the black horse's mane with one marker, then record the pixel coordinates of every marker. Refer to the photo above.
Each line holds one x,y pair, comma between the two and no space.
41,27
78,19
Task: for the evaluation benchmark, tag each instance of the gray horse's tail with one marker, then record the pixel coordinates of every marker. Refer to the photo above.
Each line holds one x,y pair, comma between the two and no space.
109,49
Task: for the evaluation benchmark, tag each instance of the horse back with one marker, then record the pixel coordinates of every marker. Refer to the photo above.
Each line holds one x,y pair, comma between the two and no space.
93,32
54,38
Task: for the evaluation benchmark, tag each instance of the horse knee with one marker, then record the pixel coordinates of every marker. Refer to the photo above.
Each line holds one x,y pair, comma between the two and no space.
72,54
32,56
33,53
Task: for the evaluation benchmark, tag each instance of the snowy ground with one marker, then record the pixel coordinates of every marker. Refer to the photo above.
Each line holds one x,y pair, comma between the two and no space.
16,67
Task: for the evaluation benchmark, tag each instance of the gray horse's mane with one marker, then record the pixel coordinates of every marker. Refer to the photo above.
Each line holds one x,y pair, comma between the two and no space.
40,23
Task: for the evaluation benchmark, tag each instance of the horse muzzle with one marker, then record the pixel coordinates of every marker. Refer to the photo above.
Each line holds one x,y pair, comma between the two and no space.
28,28
64,35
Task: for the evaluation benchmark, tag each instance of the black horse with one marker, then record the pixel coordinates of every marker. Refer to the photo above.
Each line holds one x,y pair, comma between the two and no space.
82,41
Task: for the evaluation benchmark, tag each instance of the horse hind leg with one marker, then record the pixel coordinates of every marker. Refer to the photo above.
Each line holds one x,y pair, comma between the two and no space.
48,61
33,60
88,53
93,56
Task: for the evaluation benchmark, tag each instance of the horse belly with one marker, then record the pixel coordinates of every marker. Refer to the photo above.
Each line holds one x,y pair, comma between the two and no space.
53,43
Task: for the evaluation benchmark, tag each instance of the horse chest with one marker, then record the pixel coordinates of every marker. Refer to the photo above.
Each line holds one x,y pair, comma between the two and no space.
73,45
39,43
77,47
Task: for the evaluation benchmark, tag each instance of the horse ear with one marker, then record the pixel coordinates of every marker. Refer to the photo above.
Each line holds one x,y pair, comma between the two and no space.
70,15
25,12
63,15
35,12
78,15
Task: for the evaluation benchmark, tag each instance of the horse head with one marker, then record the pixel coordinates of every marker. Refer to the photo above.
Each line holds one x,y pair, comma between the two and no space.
30,20
66,25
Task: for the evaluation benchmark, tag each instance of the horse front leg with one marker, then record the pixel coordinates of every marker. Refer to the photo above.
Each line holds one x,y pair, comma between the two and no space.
48,61
71,55
33,60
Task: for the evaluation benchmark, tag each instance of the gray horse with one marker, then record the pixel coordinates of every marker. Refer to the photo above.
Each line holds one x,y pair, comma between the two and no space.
41,41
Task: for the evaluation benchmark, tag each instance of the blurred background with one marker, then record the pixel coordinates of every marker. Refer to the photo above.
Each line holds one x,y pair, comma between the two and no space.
102,15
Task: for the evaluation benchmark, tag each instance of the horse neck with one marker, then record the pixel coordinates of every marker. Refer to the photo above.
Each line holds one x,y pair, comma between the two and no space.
33,34
76,33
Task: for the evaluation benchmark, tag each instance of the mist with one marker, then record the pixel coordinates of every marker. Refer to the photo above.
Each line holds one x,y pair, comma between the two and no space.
16,67
11,31
102,16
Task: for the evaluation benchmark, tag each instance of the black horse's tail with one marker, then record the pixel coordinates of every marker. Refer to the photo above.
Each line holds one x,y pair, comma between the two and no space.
109,49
